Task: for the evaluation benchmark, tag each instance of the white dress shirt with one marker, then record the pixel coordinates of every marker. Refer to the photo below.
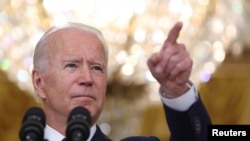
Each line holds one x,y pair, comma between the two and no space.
51,134
181,103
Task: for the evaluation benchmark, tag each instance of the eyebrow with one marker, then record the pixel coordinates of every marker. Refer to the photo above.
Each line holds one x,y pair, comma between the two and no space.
72,60
101,63
78,60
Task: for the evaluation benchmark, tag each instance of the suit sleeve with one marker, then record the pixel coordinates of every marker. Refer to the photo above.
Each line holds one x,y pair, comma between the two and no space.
190,125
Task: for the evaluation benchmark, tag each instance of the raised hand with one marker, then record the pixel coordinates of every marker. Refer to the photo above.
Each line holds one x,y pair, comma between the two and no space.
172,65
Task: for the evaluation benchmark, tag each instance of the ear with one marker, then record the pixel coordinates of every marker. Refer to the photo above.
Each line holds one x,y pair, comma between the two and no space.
38,84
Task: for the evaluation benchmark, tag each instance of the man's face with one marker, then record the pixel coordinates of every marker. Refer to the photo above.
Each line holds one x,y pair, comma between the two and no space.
76,74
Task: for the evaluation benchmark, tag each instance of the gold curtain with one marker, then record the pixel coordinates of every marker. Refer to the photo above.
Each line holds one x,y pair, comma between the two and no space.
227,94
13,103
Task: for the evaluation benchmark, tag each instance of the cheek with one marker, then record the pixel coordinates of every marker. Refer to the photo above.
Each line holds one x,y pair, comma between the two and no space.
56,84
101,91
101,84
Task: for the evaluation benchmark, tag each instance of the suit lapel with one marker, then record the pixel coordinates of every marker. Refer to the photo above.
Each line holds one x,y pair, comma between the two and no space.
99,136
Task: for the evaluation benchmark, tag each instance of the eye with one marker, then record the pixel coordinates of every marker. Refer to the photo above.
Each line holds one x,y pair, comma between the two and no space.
97,69
71,66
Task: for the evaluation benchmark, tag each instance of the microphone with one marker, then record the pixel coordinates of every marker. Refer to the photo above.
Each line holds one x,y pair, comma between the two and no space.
78,127
33,123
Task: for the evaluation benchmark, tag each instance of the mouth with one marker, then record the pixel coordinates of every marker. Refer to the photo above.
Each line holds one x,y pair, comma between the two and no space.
84,97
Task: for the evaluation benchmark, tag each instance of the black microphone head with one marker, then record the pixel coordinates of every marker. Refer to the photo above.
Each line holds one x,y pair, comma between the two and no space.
33,124
78,124
34,113
79,113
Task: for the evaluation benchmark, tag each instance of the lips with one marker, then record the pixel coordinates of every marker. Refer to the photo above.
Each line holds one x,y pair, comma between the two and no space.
84,96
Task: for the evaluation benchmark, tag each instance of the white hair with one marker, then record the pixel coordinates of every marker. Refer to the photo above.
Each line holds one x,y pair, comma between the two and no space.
40,59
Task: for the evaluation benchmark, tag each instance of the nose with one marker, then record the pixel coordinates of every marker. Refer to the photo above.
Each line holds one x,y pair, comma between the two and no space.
85,77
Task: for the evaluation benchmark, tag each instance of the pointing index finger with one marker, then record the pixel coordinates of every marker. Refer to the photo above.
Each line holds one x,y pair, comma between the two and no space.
174,33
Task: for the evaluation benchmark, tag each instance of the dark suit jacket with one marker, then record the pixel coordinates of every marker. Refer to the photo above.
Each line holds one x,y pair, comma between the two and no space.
99,136
190,125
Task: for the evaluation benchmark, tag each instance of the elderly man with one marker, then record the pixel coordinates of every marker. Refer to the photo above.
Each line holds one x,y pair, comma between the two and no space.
70,70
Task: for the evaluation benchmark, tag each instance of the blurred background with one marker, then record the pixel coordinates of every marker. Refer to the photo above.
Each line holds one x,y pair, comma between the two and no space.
215,32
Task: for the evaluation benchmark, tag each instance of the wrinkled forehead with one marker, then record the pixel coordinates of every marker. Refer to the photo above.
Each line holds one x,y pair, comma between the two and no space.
42,47
68,39
70,42
78,27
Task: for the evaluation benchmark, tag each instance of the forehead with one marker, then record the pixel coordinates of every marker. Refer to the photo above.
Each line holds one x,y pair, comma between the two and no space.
73,37
69,39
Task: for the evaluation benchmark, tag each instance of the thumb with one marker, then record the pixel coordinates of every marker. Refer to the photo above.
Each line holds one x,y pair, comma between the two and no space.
154,60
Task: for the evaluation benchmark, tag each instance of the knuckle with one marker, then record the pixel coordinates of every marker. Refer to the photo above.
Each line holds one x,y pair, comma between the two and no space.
182,46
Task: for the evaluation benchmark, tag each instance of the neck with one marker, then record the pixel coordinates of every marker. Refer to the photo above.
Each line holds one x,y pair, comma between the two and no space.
56,121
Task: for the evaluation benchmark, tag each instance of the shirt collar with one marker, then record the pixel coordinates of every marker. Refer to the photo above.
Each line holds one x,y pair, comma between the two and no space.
52,135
